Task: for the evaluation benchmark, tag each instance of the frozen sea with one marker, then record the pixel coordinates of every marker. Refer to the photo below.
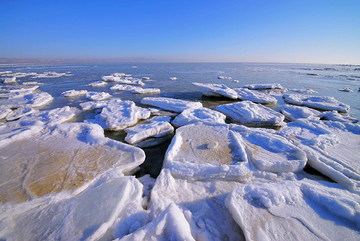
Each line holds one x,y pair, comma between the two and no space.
65,178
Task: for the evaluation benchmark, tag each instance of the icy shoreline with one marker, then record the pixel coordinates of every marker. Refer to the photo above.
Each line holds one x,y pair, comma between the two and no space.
224,176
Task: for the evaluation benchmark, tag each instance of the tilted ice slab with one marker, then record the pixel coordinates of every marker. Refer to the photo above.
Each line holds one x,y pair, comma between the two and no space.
217,90
269,151
19,112
73,93
300,210
120,115
293,112
37,99
249,113
255,96
91,212
97,95
98,83
332,148
4,112
170,104
206,151
200,115
263,86
61,157
156,128
335,116
317,102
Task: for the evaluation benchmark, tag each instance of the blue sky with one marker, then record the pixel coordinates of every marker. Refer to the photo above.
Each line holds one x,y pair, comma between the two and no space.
317,31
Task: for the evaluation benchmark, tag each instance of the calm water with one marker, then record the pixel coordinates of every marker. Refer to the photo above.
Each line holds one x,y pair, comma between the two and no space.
326,79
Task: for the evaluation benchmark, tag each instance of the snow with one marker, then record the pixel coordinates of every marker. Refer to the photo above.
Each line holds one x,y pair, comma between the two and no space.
120,115
19,112
217,90
34,100
98,83
74,93
255,96
249,113
263,86
200,115
317,102
158,129
170,104
97,95
301,210
61,157
292,112
336,116
332,148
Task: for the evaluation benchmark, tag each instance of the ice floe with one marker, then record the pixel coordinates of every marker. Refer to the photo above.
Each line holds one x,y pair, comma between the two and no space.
317,102
293,112
91,105
332,148
336,116
150,133
123,80
200,115
217,90
98,83
51,75
255,96
74,93
135,89
61,157
37,99
264,86
346,89
119,115
301,210
11,80
170,104
249,113
304,91
19,112
97,95
173,78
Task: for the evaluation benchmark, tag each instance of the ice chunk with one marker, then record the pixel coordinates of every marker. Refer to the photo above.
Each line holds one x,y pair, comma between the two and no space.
120,115
51,75
155,128
139,90
89,213
171,224
122,87
193,116
11,80
295,211
31,83
170,104
217,90
249,113
62,157
335,116
263,86
91,105
346,89
255,96
317,102
98,84
292,112
18,89
304,91
270,151
4,112
123,80
19,112
205,151
50,117
332,148
73,93
97,95
173,78
37,99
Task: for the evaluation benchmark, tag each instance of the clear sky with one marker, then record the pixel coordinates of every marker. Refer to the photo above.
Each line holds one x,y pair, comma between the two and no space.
307,31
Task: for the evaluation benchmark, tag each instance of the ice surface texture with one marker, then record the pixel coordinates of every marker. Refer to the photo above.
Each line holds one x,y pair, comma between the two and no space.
170,104
217,90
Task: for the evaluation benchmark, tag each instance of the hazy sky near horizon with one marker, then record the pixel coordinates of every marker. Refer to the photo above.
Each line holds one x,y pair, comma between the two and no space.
310,31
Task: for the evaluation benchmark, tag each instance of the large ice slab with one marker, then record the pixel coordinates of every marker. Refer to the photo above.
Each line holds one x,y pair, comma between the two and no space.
122,79
302,210
151,132
91,212
263,86
206,151
200,115
332,148
51,74
317,102
293,112
61,157
170,104
98,83
249,113
18,113
37,99
255,96
91,105
135,89
97,95
336,116
217,90
74,93
120,115
269,151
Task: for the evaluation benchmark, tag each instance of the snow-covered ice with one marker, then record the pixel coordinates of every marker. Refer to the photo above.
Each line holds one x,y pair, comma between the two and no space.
170,104
336,116
91,105
295,210
11,80
249,113
304,91
317,102
19,112
293,112
120,115
217,90
37,99
97,95
200,115
255,96
74,93
346,89
135,89
264,86
98,83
